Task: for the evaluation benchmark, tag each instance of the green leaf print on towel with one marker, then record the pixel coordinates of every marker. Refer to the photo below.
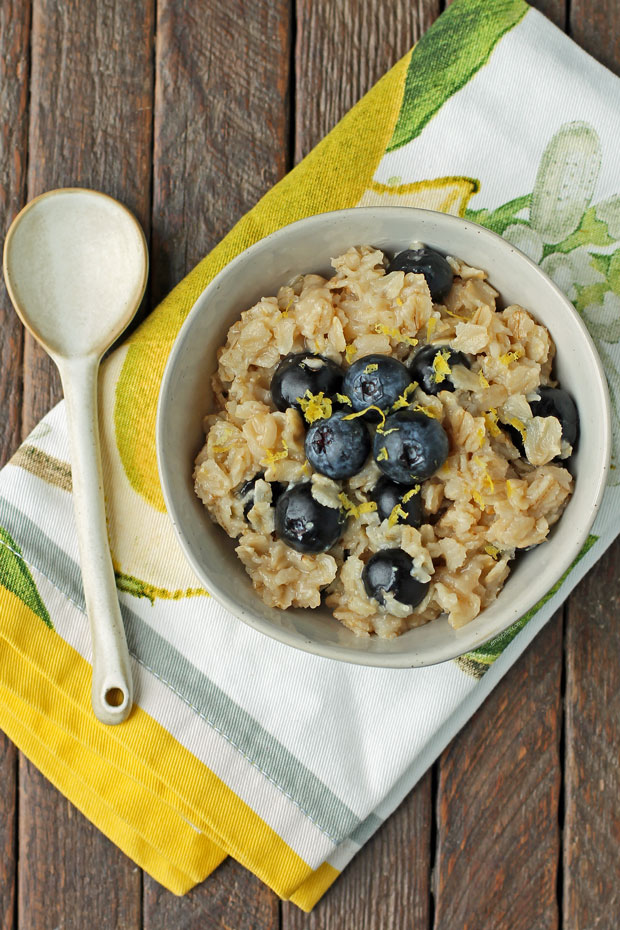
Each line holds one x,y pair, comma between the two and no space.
478,661
16,578
576,242
447,57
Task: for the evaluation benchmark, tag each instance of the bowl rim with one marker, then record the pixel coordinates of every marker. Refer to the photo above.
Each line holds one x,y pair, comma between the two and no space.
338,651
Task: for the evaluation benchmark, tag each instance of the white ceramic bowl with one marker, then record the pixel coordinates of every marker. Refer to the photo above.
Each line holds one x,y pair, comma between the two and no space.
185,397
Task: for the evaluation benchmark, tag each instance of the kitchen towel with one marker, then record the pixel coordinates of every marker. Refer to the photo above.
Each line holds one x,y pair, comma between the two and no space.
239,745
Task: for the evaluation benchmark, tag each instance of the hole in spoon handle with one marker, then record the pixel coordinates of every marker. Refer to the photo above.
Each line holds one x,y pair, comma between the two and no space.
111,701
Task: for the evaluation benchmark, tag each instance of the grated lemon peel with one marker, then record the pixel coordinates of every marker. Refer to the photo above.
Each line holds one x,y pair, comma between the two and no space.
360,413
343,399
477,497
486,480
493,551
272,457
509,357
518,425
370,368
383,454
414,490
430,327
440,366
402,400
355,510
483,381
315,406
420,408
490,418
349,352
397,511
456,316
395,334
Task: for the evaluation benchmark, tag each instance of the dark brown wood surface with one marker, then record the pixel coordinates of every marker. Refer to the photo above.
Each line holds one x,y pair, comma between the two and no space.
188,112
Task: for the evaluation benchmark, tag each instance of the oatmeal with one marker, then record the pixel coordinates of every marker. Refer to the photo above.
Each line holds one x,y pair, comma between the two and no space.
386,440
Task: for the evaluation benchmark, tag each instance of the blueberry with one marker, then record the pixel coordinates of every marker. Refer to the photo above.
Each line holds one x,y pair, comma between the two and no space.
555,402
304,524
376,380
337,447
389,572
431,264
411,447
246,492
422,368
301,372
387,495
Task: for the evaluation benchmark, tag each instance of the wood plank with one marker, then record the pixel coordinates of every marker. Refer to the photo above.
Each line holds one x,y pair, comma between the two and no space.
90,125
499,789
8,832
555,10
70,876
595,26
386,886
221,123
14,73
342,49
220,142
232,899
592,780
14,69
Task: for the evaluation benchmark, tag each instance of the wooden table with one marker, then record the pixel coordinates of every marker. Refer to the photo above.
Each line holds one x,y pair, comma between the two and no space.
188,112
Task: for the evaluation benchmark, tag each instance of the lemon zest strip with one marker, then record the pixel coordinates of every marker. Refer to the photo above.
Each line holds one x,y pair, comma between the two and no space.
397,511
509,357
440,366
420,408
315,406
402,398
492,550
360,413
272,457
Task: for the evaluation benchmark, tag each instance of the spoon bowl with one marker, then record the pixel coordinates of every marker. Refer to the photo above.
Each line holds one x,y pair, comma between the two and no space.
76,265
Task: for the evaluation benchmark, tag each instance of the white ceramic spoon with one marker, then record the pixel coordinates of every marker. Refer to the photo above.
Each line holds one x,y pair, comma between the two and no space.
75,265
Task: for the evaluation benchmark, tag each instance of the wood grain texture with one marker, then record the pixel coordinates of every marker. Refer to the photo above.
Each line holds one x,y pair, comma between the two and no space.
386,886
70,876
14,72
232,899
8,832
342,49
592,788
595,26
90,125
221,123
220,142
497,811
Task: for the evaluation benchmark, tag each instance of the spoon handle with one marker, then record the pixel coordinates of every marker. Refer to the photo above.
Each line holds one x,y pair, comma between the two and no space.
112,688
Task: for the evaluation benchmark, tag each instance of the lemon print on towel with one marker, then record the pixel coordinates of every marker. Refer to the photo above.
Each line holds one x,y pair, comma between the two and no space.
146,556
